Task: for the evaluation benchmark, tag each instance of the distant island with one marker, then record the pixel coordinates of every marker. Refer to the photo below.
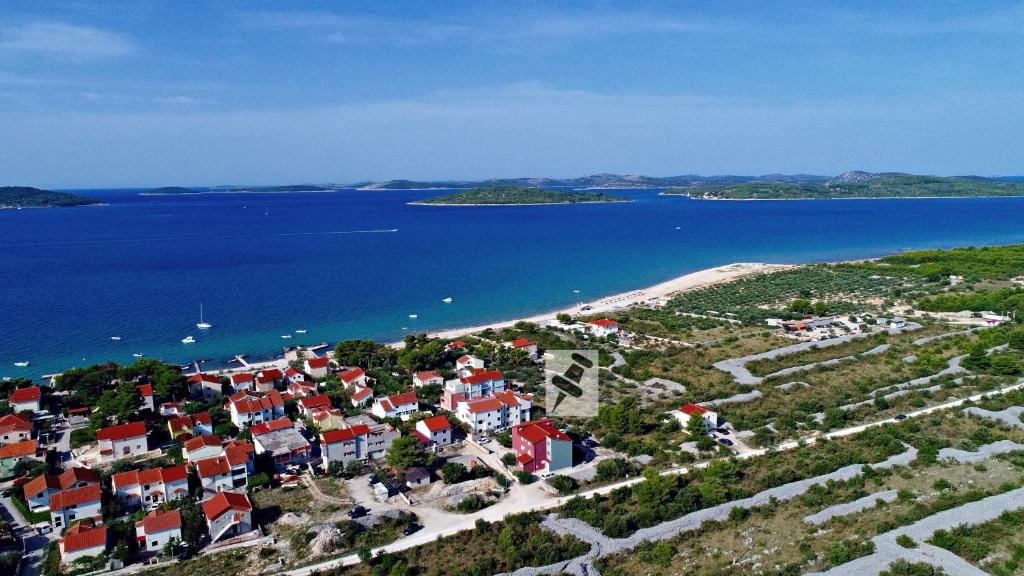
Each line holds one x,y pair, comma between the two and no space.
286,188
516,195
28,197
169,190
858,184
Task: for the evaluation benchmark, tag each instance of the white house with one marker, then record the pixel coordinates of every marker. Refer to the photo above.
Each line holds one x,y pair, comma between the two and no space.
14,428
248,408
205,386
228,514
421,379
157,529
152,487
171,410
361,396
353,377
467,362
684,413
38,490
436,430
471,384
301,388
311,404
146,393
603,327
344,445
82,540
242,381
122,441
201,447
228,471
25,399
526,345
317,367
75,504
495,413
396,406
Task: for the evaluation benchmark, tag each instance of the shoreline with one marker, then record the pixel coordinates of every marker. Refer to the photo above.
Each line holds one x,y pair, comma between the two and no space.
656,293
417,203
843,198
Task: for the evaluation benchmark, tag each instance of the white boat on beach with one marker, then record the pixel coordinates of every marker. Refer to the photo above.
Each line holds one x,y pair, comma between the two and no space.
447,300
188,340
22,364
202,325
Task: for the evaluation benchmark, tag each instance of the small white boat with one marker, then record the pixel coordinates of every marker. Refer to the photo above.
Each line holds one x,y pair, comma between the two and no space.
413,316
286,336
137,355
447,300
188,340
115,337
21,364
303,331
679,227
576,291
202,325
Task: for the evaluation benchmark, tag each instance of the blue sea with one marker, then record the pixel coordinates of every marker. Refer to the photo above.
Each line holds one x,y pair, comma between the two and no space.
356,264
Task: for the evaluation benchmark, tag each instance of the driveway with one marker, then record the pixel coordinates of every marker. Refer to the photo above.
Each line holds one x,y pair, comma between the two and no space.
35,545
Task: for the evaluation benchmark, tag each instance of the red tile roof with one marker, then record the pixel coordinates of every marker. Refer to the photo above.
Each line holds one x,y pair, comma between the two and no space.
160,521
456,344
464,358
604,323
429,374
76,474
202,418
524,459
272,373
538,431
317,362
249,402
122,432
241,378
150,476
83,536
28,394
74,497
507,398
522,343
362,393
199,442
145,389
350,375
40,483
435,423
215,466
272,426
204,377
345,434
310,402
692,409
479,376
486,404
12,423
19,449
223,502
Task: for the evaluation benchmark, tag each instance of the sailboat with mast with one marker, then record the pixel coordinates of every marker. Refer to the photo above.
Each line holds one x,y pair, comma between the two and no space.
203,325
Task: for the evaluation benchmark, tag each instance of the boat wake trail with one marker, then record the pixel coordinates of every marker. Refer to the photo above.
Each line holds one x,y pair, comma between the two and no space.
219,237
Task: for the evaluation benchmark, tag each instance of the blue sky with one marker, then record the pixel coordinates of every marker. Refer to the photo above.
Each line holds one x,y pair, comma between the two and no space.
167,93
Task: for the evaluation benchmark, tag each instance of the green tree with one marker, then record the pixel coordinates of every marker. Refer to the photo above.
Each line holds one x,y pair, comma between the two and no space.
406,452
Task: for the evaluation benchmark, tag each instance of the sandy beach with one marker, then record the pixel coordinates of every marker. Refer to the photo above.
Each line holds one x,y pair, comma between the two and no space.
654,294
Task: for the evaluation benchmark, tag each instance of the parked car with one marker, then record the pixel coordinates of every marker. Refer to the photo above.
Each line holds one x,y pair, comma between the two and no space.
722,431
357,512
725,442
411,528
900,417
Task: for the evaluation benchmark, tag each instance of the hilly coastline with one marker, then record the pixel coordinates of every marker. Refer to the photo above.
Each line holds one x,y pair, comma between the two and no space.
516,195
28,197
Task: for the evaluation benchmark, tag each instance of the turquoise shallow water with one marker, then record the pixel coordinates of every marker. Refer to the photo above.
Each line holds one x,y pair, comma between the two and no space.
264,265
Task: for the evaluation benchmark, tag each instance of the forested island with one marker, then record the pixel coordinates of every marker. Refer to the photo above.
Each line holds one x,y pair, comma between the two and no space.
28,197
517,195
858,185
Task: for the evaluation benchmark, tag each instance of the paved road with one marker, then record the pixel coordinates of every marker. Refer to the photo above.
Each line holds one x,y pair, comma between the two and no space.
35,545
530,498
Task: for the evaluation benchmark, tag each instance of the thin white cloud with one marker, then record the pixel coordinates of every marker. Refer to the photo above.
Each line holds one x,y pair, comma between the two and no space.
63,40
